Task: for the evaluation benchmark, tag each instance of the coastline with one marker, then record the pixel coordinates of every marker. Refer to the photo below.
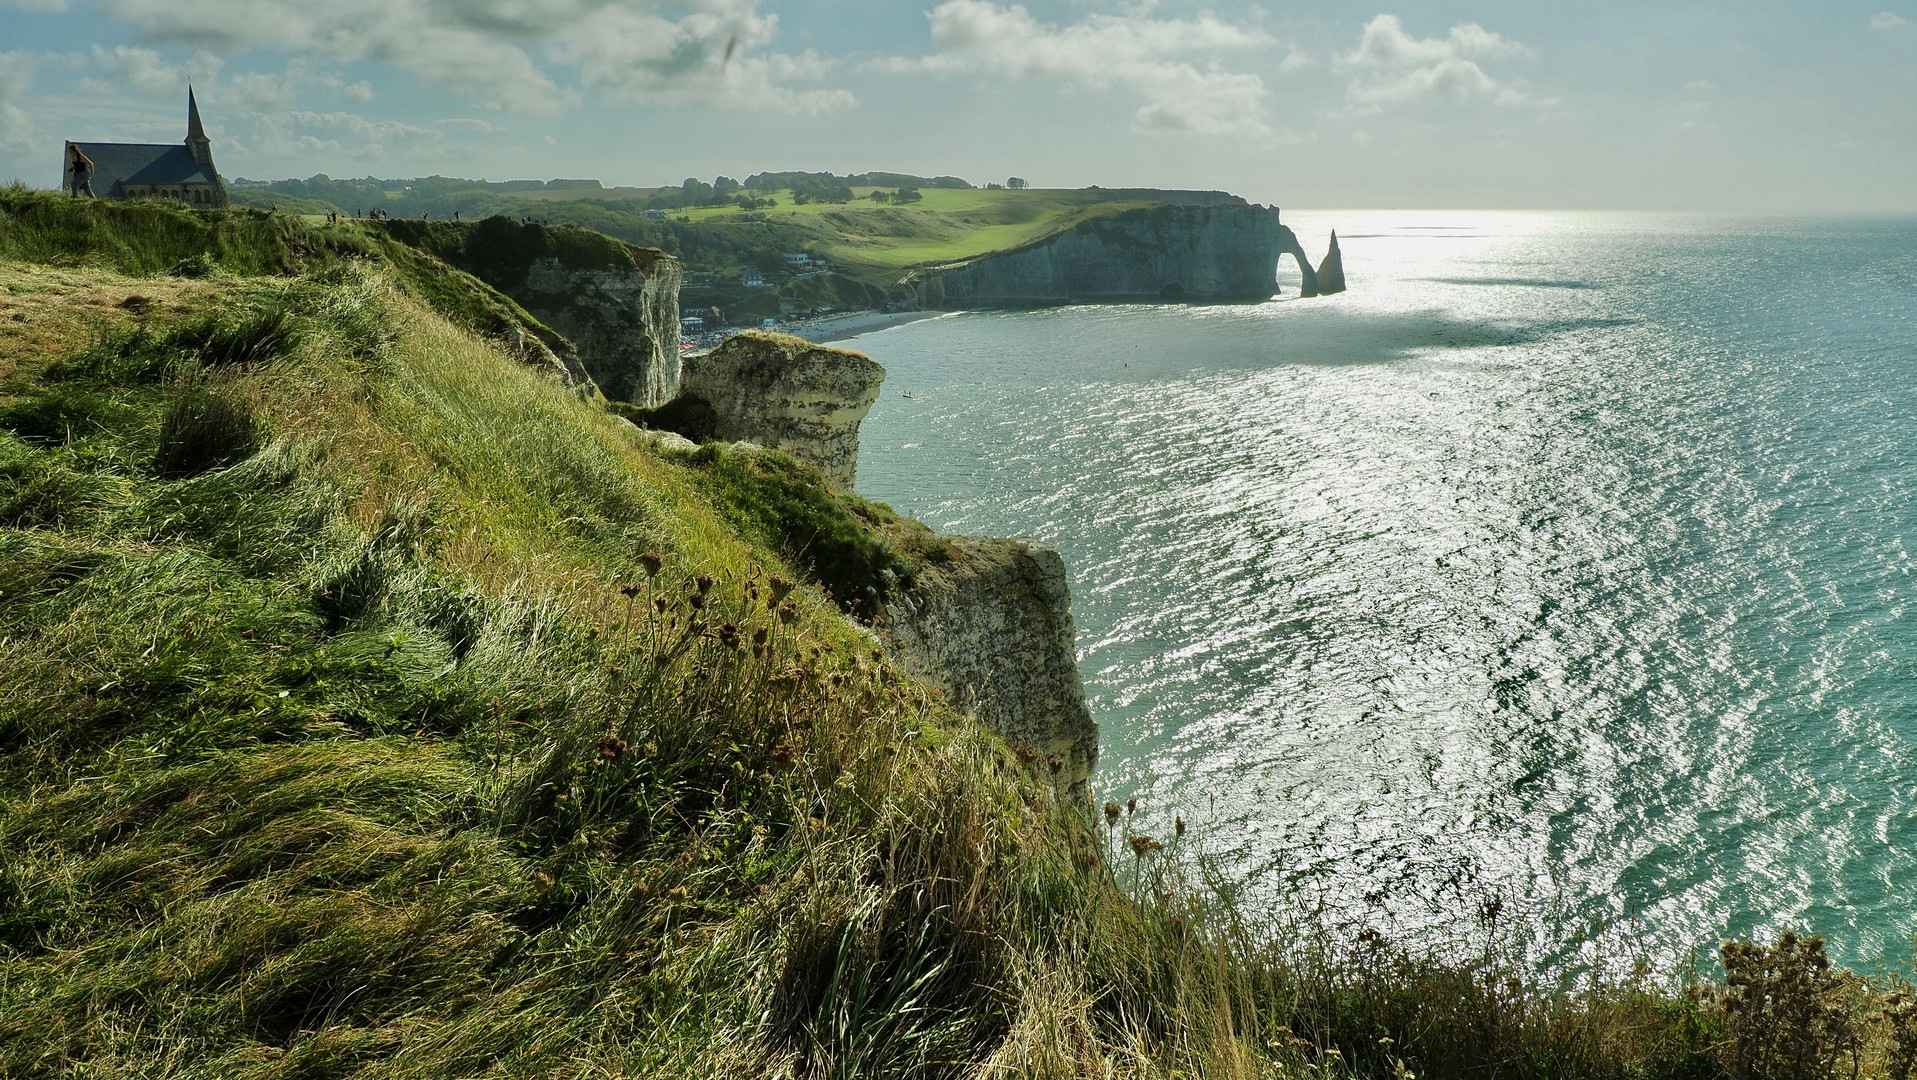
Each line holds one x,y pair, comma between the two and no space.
849,325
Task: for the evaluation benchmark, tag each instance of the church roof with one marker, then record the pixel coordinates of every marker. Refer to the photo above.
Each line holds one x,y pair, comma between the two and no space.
144,163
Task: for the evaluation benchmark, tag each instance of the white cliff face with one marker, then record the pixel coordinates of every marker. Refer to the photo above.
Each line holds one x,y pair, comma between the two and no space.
624,323
990,626
607,309
1223,251
789,394
992,629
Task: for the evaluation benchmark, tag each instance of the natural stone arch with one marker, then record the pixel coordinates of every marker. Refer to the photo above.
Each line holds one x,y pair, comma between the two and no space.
1291,247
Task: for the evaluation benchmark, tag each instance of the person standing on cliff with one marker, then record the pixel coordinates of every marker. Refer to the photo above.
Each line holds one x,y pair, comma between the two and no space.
82,170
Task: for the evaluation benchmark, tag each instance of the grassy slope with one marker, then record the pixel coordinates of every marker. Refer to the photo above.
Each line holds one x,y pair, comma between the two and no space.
869,242
344,733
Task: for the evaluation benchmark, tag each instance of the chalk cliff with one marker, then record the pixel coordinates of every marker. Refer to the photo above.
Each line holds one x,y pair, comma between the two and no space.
624,321
616,305
786,393
1223,250
992,629
988,622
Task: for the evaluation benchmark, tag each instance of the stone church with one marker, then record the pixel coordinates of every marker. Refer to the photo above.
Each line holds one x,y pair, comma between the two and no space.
182,171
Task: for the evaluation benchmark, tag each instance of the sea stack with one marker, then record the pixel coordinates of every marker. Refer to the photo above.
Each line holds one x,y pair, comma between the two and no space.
1331,272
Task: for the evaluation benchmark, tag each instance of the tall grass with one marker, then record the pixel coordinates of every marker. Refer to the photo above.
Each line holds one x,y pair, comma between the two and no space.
422,721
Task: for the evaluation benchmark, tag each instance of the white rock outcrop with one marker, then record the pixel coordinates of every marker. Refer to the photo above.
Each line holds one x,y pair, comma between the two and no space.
788,394
992,629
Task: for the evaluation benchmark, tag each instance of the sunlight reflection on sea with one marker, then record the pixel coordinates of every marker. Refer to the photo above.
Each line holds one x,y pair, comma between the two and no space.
1562,559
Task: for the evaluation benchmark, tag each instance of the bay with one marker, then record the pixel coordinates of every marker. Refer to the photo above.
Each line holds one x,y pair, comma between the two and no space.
1562,561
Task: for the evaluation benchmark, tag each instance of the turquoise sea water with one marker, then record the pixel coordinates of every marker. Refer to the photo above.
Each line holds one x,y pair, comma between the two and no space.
1565,559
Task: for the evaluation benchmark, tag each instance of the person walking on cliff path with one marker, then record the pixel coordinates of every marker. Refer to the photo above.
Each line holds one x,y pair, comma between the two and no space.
81,168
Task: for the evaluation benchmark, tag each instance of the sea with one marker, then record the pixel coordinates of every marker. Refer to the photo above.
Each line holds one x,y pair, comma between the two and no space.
1560,569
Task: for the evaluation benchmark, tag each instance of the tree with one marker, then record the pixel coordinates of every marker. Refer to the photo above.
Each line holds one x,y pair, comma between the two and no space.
1017,183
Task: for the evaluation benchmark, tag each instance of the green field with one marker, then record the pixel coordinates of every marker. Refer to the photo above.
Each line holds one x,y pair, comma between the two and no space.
871,245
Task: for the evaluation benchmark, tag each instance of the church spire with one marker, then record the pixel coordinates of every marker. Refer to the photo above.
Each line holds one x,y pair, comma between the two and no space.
196,139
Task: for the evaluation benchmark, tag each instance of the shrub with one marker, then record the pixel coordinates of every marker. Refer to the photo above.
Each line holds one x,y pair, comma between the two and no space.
1788,1015
786,505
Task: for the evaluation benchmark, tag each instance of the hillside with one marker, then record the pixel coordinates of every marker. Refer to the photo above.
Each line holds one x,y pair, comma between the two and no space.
372,705
867,246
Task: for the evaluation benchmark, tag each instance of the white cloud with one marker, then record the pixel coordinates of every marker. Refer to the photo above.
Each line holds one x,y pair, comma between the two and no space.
1691,116
255,91
1884,20
703,50
1133,50
338,137
467,123
1390,67
16,80
145,71
704,56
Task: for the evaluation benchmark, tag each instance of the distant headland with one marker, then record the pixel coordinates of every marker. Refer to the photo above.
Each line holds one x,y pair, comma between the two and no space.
785,245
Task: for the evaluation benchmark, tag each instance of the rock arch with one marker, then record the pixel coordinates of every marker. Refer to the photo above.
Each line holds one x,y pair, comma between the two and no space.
1288,245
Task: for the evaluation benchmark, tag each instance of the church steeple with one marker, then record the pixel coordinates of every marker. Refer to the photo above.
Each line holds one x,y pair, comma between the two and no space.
196,139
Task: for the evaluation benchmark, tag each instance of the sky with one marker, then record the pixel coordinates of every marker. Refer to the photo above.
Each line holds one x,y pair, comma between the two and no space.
1748,107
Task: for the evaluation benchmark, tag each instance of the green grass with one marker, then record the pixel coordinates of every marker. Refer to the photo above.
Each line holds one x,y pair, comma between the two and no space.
947,225
869,243
406,716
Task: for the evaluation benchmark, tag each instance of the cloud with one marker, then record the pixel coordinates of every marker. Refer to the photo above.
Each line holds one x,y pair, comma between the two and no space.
467,123
339,137
1690,116
707,57
16,81
1885,20
145,71
1133,50
704,50
1390,67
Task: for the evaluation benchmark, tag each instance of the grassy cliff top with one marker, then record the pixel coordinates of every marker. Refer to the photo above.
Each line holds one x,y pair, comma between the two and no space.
870,242
370,706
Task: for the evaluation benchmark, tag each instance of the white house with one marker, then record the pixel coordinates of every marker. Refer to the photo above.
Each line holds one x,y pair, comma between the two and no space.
752,279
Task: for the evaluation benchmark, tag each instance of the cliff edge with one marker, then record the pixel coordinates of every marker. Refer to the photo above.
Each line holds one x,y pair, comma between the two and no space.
992,629
616,304
1224,251
786,393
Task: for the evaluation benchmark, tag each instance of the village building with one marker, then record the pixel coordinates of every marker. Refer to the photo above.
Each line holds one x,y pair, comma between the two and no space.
182,171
